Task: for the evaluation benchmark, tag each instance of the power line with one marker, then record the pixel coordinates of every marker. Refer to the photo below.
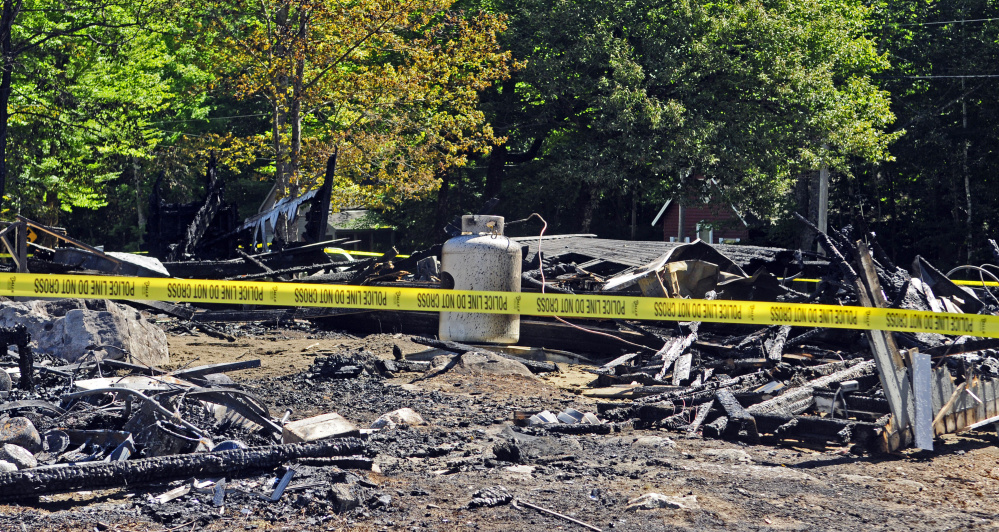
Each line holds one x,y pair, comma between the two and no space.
965,76
949,22
209,119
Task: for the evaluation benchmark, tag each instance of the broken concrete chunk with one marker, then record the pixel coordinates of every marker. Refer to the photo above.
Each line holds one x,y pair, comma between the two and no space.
403,416
490,364
316,428
7,467
652,501
17,455
20,431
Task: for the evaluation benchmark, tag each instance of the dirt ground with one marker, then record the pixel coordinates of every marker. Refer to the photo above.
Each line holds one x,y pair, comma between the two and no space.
426,476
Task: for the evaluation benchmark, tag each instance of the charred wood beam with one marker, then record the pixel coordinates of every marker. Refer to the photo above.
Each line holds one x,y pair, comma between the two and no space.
750,380
317,267
609,367
774,347
644,331
128,366
702,414
805,336
717,428
879,253
253,260
18,335
738,415
674,348
177,311
99,475
277,315
891,368
212,331
785,402
841,431
970,346
318,217
459,348
836,256
579,428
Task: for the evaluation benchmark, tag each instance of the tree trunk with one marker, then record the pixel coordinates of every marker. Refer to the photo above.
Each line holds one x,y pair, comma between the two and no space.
6,22
279,176
443,202
140,215
296,112
494,171
592,199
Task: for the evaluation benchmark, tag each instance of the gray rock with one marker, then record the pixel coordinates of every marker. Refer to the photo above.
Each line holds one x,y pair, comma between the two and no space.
905,485
17,455
402,416
507,450
652,501
21,432
345,497
653,441
7,467
5,382
733,455
70,328
489,364
489,497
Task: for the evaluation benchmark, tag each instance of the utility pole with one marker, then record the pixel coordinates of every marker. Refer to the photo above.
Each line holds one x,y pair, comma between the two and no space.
822,220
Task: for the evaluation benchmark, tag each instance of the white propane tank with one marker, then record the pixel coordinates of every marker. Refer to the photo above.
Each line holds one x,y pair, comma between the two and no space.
481,259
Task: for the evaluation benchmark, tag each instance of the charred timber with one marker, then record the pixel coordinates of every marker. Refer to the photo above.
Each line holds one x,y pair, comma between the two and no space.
18,335
206,213
459,348
101,475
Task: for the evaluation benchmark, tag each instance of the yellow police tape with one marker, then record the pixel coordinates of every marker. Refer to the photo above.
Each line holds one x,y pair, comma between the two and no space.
533,304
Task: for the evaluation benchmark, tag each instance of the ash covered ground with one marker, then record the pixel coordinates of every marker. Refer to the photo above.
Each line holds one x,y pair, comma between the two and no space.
471,468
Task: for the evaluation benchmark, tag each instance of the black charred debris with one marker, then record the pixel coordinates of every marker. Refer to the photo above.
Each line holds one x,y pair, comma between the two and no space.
208,441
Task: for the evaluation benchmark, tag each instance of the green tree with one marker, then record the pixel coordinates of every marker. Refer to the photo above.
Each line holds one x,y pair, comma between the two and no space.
392,86
637,95
55,92
940,197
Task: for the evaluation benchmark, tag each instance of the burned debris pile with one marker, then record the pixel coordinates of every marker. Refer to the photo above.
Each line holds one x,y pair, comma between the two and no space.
86,404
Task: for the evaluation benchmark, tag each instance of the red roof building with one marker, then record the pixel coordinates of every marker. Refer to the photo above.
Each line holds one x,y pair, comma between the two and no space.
712,223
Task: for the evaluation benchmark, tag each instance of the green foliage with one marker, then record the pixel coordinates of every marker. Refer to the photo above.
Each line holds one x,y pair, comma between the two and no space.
640,97
939,197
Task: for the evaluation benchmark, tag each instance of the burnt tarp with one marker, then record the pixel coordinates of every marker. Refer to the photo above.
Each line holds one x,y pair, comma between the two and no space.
693,270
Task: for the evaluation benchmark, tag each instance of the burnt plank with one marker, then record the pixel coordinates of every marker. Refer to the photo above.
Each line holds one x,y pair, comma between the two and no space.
737,414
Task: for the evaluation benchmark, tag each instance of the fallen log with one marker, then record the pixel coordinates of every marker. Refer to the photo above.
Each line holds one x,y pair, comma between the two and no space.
102,475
